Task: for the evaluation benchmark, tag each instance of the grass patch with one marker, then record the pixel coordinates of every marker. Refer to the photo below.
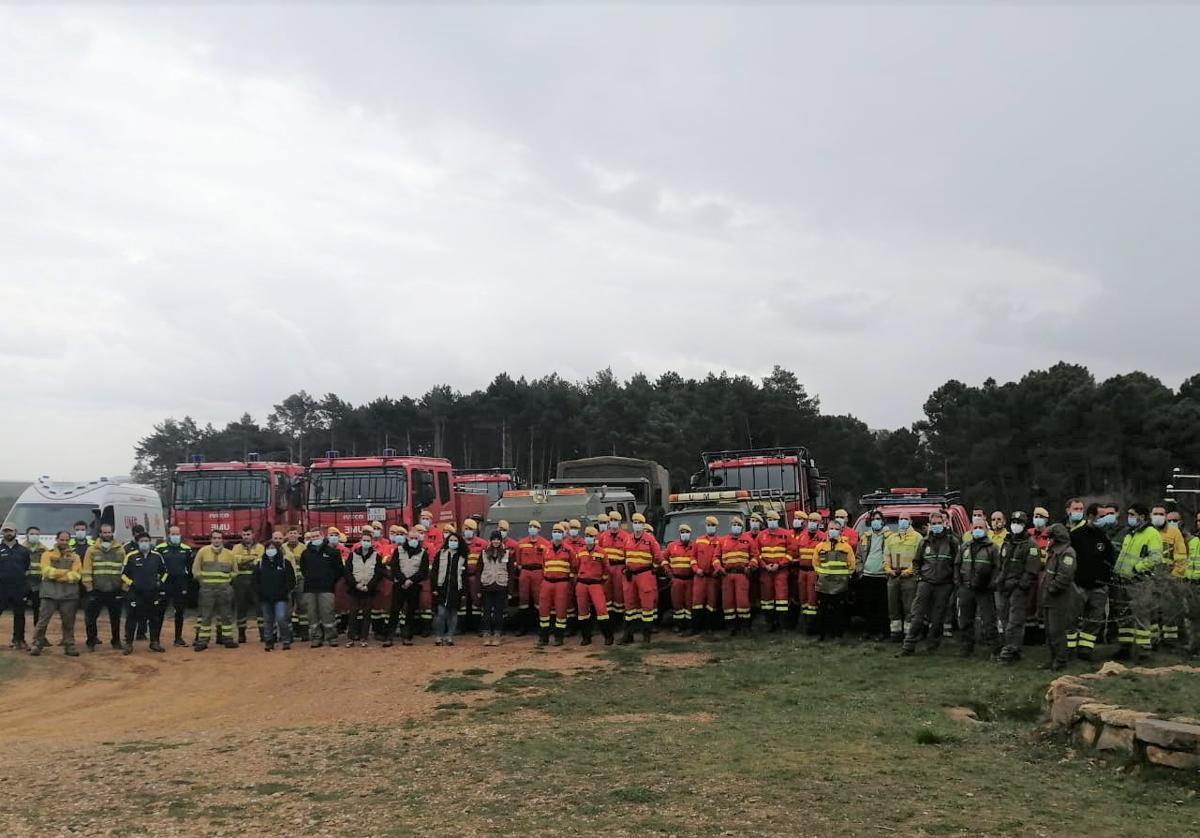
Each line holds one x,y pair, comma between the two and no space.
929,736
1172,694
477,672
455,684
266,789
635,794
451,705
147,747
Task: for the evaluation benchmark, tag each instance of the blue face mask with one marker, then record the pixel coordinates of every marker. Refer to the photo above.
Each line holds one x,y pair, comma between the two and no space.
937,529
175,539
333,539
685,537
589,542
315,542
1076,517
877,525
812,526
1039,522
556,537
833,532
395,538
638,529
978,533
735,529
904,525
710,530
144,546
452,544
772,525
414,543
1132,520
533,531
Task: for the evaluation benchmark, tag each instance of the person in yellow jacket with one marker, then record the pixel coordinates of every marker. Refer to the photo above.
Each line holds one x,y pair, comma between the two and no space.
214,570
245,604
1173,603
1191,587
833,562
1133,599
899,550
103,562
62,572
998,529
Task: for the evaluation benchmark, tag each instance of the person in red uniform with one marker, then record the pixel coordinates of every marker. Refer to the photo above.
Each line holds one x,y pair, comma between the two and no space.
805,548
799,524
531,560
678,560
381,600
774,556
739,554
473,600
379,540
642,556
613,542
590,568
555,593
432,540
574,542
706,550
755,529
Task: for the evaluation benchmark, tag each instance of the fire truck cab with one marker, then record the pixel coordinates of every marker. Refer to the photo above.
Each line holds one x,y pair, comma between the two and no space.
916,503
693,507
789,471
232,495
493,482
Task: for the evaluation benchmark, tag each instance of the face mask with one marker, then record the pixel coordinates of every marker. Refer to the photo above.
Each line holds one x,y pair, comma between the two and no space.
638,529
589,542
333,539
685,537
834,532
365,544
175,539
533,531
556,537
614,526
841,521
1132,520
144,546
427,523
573,532
736,529
503,534
81,534
772,525
395,538
937,529
1016,528
1075,517
877,525
1173,524
270,552
978,532
710,530
315,542
1158,520
452,544
812,526
414,542
997,525
1039,522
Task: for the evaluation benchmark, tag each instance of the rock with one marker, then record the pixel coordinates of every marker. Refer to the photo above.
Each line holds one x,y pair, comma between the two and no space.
1111,668
1063,711
1172,735
1067,685
1115,739
1092,710
1124,717
962,714
1172,759
1085,734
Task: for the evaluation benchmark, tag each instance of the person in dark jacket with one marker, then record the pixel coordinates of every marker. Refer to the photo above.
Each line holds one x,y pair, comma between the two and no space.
447,578
1020,564
321,566
410,567
1095,557
273,580
1057,597
14,585
933,565
143,582
974,570
364,569
178,558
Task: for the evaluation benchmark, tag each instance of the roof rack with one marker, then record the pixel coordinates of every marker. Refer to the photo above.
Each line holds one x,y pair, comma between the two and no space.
499,472
799,451
909,496
708,494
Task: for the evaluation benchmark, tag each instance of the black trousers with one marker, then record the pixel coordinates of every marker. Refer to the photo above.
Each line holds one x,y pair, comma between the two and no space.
142,611
15,602
831,615
494,603
109,601
871,593
360,616
404,601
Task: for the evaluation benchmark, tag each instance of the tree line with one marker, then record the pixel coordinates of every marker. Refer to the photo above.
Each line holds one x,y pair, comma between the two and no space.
1054,433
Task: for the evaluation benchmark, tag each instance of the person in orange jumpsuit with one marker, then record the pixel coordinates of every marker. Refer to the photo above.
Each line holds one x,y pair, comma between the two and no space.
678,560
642,556
574,542
846,532
706,587
613,542
432,540
774,556
554,594
531,561
739,555
473,599
799,524
590,568
755,528
381,601
805,548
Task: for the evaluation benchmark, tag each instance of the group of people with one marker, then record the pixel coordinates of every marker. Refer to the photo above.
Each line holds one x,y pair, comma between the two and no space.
908,581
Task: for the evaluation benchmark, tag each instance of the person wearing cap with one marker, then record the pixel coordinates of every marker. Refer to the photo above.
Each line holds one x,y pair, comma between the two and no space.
14,571
574,541
473,598
322,568
869,582
679,558
408,569
61,573
805,547
531,561
934,567
494,565
900,550
1020,564
590,568
613,541
754,528
774,556
706,591
554,594
846,532
739,554
33,580
799,524
833,563
510,544
975,574
642,556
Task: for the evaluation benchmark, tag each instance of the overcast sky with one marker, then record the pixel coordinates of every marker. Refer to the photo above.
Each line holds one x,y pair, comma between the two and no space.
204,210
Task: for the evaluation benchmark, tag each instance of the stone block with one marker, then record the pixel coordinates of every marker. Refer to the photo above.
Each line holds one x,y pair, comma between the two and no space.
1063,711
1172,759
1092,710
1171,735
1115,739
1111,668
1085,733
1124,717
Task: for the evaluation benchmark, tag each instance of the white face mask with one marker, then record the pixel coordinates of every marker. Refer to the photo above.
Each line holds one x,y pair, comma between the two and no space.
613,526
1016,528
574,533
1158,520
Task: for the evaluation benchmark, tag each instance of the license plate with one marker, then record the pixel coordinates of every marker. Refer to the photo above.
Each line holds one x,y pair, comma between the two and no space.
376,513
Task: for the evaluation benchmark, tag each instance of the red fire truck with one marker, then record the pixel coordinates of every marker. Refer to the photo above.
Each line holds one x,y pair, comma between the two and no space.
493,482
231,495
351,492
788,470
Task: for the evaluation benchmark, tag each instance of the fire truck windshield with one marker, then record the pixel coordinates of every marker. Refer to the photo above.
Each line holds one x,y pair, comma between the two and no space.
339,488
220,489
492,488
781,476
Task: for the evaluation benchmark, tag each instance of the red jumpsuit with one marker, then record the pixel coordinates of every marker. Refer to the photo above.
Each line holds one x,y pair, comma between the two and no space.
381,602
739,554
754,589
642,554
574,544
678,559
706,551
774,547
434,539
555,592
614,545
591,572
531,559
805,548
475,548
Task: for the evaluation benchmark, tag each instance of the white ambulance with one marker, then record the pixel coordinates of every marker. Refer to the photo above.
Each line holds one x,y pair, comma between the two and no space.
55,505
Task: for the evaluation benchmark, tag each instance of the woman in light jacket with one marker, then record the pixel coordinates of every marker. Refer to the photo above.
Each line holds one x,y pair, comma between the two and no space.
493,582
446,582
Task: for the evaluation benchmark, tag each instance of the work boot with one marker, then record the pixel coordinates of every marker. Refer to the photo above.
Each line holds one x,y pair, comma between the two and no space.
36,651
608,635
1084,654
268,647
241,634
179,641
155,646
91,645
199,647
70,651
896,637
558,637
229,644
734,628
116,643
1124,653
586,631
905,652
543,637
127,649
772,623
523,621
626,636
646,634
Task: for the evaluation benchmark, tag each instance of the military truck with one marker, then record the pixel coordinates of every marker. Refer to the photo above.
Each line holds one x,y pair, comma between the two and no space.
693,507
648,481
549,506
